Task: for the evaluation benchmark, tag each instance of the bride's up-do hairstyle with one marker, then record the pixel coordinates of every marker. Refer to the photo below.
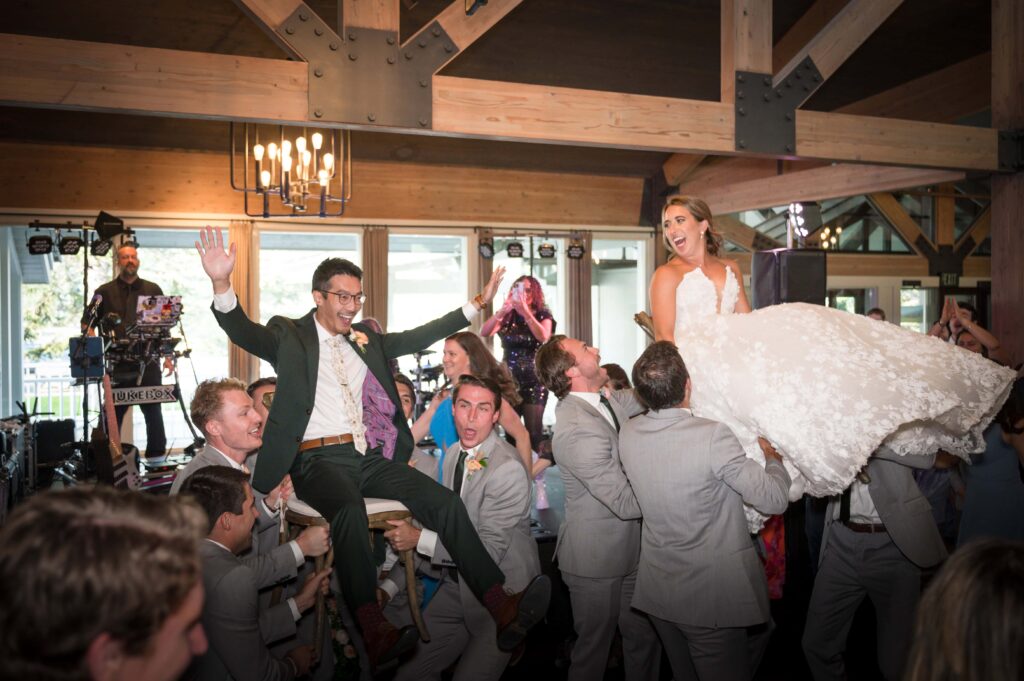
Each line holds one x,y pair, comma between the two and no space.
699,210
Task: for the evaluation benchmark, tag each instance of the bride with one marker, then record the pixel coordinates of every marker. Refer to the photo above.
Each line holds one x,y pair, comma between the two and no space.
824,386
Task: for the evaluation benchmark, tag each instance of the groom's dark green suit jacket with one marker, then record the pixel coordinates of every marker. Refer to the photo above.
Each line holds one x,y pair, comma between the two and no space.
292,347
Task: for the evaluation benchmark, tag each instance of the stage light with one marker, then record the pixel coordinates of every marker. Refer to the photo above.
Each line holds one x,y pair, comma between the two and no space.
107,226
70,245
486,248
101,248
514,249
576,250
546,250
40,244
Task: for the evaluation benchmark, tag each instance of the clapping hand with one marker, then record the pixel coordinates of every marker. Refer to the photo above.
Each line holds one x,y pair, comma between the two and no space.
217,262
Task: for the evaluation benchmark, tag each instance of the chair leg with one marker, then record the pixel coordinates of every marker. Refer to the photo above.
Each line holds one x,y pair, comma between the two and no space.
414,601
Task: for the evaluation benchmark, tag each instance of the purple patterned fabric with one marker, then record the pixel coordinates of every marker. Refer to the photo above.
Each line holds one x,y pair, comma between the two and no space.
378,415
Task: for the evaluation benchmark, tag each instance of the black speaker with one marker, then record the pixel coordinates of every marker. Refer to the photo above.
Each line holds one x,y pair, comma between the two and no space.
53,440
788,275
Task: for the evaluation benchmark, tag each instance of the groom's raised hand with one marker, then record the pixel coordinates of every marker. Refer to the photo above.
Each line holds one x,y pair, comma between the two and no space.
217,262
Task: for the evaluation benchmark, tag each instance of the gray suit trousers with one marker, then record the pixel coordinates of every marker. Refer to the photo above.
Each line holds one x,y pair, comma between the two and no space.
598,605
853,566
451,639
712,654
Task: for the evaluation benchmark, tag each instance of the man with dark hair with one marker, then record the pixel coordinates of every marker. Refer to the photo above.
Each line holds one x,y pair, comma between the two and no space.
489,476
599,541
699,579
100,584
238,643
336,425
120,296
876,313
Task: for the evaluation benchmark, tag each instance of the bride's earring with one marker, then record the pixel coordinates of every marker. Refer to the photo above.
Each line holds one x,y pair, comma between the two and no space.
702,234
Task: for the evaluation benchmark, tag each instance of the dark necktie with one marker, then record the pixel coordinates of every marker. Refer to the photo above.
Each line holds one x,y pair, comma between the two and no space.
460,467
844,505
608,406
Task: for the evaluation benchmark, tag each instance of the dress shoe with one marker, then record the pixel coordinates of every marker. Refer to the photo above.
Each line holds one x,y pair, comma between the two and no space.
519,612
386,644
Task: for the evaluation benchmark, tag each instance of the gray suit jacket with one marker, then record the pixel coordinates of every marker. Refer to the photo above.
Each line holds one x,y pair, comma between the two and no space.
271,562
697,563
497,499
238,646
600,536
902,508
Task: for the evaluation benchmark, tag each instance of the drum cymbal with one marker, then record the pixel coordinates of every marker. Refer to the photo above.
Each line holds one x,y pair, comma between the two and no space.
427,373
423,353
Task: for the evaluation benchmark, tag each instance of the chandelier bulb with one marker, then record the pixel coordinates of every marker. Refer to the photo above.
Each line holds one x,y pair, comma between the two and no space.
325,178
265,179
300,145
318,140
286,148
307,156
257,152
328,162
272,150
286,163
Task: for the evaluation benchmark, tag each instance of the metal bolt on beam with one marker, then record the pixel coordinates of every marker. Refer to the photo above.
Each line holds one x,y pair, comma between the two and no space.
371,117
303,16
318,31
318,72
390,40
352,57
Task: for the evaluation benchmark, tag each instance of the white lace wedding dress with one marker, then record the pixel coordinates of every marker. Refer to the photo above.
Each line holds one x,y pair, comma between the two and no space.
828,387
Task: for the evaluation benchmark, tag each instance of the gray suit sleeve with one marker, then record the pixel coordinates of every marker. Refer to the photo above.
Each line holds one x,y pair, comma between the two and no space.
273,566
909,460
627,400
588,457
234,632
277,622
766,489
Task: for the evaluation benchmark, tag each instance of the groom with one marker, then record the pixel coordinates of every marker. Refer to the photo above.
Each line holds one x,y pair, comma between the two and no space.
336,425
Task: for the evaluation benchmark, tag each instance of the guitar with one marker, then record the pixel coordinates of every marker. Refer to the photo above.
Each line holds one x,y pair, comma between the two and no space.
124,474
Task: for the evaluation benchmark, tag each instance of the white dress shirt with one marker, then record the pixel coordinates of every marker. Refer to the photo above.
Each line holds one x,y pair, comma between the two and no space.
594,400
428,538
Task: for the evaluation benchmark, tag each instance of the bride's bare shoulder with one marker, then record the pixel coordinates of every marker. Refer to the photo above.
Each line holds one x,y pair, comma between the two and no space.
668,275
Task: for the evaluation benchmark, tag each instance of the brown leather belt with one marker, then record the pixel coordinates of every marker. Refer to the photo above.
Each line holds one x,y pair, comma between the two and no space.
318,442
865,528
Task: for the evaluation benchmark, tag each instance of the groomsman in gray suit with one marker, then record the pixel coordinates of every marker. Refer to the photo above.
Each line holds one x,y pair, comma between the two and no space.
238,638
488,474
699,579
599,541
878,536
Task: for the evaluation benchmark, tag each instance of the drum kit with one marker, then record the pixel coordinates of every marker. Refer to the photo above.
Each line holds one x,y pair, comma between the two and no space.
424,375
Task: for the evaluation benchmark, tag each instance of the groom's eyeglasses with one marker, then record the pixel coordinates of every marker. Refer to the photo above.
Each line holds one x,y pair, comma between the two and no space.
345,298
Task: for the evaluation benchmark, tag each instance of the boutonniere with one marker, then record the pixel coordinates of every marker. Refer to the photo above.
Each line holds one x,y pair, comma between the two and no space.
473,465
359,338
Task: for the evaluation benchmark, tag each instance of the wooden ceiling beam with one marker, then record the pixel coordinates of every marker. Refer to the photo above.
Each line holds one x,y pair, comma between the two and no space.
976,233
827,182
71,74
841,37
679,166
380,15
807,26
890,208
268,15
885,140
464,30
945,96
743,235
746,41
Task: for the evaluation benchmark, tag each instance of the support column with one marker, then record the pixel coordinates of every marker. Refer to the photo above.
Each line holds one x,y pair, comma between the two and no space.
1008,189
245,280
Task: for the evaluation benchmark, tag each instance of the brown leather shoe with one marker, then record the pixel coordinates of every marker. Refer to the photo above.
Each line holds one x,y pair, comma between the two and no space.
519,612
386,644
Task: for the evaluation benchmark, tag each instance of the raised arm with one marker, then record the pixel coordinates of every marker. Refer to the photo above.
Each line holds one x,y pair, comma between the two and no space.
663,303
491,326
217,263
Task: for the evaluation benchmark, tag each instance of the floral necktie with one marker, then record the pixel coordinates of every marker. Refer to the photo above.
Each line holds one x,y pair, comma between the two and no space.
353,410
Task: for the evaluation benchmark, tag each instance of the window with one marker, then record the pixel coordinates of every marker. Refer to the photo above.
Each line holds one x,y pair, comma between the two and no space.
617,293
287,263
427,277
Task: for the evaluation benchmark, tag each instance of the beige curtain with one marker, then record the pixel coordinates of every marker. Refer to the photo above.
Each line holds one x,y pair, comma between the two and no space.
375,274
245,279
580,320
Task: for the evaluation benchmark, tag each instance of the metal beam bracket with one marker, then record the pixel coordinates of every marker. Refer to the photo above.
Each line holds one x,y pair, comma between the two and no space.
1011,151
766,115
368,79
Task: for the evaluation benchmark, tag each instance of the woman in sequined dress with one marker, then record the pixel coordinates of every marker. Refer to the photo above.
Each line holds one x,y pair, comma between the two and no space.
523,323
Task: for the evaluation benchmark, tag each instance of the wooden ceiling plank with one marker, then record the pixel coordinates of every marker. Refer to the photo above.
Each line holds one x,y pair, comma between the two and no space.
380,15
679,166
71,74
827,182
806,27
890,208
945,96
886,140
841,37
268,15
516,111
